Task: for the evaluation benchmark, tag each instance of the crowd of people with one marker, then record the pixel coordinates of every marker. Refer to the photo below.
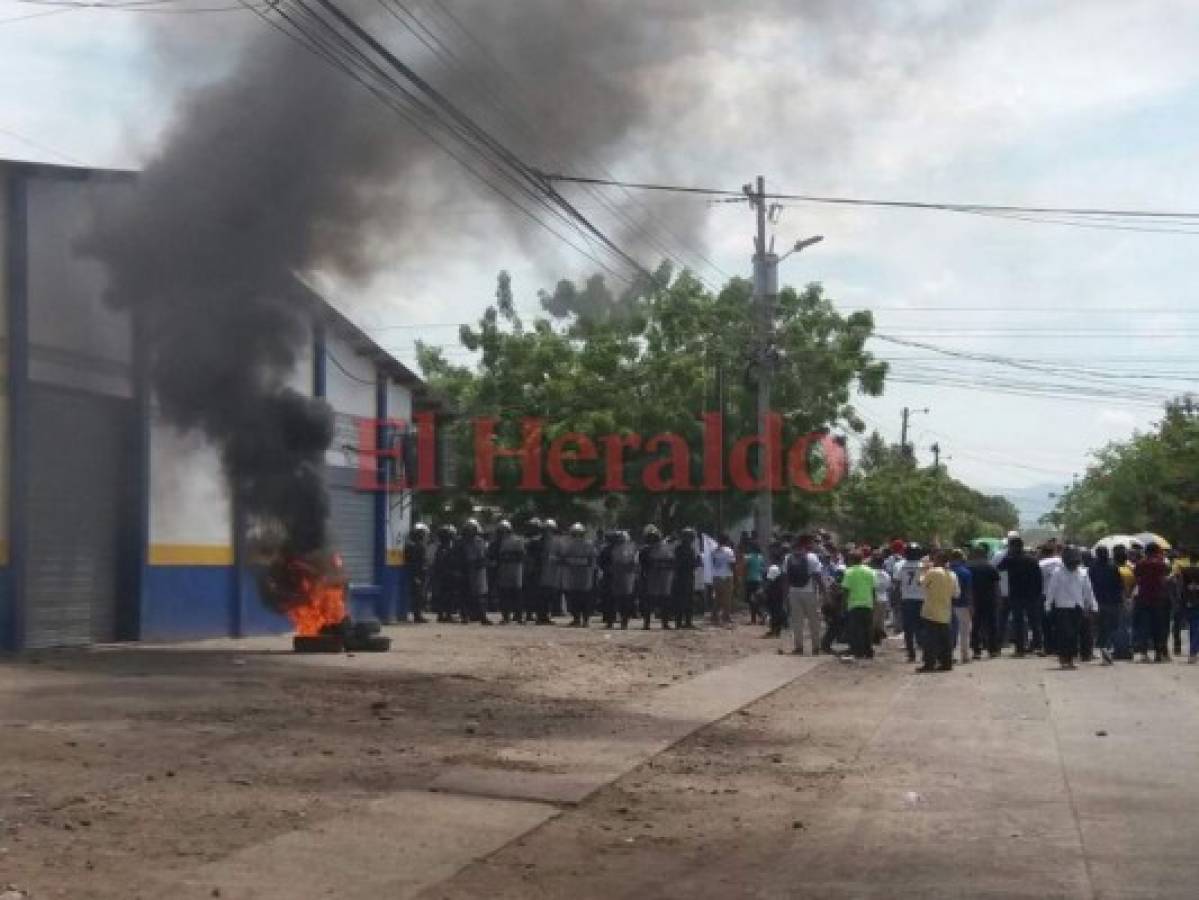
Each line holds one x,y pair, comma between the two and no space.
1056,599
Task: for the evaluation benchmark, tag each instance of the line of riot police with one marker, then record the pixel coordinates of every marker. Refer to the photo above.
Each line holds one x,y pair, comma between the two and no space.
461,576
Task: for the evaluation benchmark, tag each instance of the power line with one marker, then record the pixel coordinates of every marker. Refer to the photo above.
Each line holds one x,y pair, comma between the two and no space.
30,141
334,49
893,204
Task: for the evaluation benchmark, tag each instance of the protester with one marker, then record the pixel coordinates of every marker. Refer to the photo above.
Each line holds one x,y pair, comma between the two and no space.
911,592
940,585
962,604
723,560
1068,597
1109,597
1049,562
1024,593
806,590
1187,573
1151,612
754,569
882,596
984,586
858,583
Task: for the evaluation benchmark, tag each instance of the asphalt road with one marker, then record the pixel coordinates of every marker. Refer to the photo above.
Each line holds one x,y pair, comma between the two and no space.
1004,778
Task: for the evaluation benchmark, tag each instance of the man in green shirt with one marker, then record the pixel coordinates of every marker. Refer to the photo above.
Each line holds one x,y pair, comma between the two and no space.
858,585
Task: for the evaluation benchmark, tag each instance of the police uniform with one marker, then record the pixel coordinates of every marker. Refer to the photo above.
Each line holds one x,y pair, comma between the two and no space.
657,567
509,577
578,578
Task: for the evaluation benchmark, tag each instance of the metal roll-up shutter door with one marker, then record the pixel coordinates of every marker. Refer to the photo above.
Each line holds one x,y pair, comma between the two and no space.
352,525
80,517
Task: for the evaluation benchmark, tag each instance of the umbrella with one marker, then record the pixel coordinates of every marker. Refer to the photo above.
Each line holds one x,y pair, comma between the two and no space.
993,544
1145,538
1113,539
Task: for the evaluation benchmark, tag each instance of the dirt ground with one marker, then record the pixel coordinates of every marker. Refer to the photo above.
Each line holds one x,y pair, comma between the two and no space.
121,767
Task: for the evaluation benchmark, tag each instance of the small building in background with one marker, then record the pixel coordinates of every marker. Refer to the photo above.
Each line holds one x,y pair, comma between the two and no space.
116,526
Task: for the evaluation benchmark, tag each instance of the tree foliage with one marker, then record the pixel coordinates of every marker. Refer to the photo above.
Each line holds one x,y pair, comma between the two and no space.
644,362
890,496
1148,483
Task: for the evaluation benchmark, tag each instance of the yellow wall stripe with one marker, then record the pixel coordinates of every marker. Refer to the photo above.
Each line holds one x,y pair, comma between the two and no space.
3,552
395,556
190,555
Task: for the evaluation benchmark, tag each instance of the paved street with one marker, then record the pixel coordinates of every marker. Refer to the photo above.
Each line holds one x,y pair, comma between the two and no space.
1004,778
549,763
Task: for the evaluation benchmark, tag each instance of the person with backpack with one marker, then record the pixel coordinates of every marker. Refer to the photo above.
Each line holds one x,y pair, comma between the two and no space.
805,593
911,596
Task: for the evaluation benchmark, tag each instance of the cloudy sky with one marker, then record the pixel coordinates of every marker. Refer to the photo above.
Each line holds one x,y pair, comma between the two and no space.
1069,104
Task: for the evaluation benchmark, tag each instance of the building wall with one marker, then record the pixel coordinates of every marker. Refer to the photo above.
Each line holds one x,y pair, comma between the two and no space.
397,601
192,587
6,638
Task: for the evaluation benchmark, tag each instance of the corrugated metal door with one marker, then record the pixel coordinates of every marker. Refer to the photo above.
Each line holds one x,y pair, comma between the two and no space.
80,517
352,524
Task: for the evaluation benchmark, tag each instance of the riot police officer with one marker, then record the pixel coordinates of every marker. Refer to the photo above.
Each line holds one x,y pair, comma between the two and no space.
531,577
607,599
417,562
578,575
622,586
445,575
509,575
682,590
473,563
657,576
551,571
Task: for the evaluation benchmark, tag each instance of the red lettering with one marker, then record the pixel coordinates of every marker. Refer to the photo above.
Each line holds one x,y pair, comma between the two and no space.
529,454
771,458
679,461
368,456
836,462
713,452
559,456
614,447
426,451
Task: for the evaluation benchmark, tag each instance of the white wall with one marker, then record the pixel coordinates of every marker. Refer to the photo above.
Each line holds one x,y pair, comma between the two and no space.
351,393
190,508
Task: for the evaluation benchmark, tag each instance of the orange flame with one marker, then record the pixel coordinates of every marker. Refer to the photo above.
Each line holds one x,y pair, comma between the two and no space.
316,601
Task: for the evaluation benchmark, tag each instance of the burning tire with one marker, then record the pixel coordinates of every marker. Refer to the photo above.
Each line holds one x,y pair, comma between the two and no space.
319,643
366,629
374,643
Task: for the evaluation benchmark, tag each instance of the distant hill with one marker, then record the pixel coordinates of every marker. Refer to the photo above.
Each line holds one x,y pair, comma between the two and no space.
1032,501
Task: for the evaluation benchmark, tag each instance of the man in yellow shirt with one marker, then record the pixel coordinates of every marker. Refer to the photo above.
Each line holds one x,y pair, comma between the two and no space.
940,587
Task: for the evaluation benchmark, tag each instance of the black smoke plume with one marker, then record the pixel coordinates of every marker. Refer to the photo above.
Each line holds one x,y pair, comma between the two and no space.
287,166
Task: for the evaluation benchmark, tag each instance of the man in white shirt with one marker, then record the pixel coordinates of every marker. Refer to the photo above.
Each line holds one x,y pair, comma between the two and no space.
1067,598
1043,634
805,592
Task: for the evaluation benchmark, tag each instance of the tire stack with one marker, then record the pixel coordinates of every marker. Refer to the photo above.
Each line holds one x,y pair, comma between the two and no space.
345,637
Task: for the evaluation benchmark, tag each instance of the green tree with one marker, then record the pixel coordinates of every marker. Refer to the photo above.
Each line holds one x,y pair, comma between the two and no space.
1148,483
647,362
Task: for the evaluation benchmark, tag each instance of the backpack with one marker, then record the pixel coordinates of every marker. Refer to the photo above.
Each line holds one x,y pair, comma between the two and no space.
798,574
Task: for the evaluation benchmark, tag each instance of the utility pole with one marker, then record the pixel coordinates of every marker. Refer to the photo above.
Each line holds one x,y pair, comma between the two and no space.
936,448
765,289
903,432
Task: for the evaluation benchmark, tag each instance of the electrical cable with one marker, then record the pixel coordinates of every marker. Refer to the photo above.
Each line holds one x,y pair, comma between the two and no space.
898,204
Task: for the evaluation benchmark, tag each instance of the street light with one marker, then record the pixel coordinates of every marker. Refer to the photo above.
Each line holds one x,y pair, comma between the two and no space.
802,245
